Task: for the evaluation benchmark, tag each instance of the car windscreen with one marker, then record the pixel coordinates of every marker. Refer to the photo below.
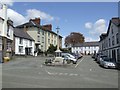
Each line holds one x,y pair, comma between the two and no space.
103,57
107,59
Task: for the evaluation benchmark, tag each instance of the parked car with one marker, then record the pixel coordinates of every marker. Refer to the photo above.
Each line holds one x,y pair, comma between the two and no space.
93,56
69,57
77,56
97,55
108,63
100,57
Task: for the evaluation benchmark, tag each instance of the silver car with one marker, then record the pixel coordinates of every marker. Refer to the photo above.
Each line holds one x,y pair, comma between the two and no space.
108,63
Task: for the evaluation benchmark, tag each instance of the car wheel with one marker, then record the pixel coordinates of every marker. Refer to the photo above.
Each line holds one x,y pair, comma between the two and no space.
74,62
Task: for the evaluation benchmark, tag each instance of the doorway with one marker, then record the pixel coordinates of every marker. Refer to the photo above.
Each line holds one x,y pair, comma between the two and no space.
27,51
114,55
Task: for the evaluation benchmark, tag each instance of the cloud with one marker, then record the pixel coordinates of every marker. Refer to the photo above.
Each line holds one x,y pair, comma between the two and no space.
8,2
100,26
88,25
88,39
32,13
18,18
96,28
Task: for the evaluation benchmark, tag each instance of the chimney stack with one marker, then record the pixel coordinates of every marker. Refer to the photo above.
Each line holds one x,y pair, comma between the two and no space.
47,27
4,11
36,20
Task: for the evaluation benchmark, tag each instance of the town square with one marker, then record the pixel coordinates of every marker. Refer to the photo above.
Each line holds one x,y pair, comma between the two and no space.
59,44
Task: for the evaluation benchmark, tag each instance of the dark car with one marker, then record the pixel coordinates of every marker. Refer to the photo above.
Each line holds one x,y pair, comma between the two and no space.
93,56
97,55
100,58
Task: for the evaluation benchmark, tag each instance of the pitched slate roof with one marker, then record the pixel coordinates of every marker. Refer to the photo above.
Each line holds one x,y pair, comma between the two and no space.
22,34
87,44
116,21
32,24
28,24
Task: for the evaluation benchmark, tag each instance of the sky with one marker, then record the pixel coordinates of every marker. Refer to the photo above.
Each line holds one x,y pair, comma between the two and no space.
88,18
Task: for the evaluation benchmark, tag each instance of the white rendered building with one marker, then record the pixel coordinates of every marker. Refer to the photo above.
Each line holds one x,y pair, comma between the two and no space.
86,48
24,44
110,41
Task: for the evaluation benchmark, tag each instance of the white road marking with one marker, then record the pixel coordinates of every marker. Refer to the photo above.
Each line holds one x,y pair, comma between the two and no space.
90,69
41,66
39,73
60,73
65,73
79,63
73,74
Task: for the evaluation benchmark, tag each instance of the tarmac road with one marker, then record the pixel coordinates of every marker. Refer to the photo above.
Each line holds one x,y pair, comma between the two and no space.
30,72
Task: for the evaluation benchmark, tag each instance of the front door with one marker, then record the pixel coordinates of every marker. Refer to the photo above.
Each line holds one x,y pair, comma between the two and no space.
114,55
26,51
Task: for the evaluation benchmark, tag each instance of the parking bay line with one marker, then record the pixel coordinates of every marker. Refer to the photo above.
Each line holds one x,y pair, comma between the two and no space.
79,62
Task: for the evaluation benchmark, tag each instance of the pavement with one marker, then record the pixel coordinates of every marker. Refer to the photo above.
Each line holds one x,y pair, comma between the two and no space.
30,72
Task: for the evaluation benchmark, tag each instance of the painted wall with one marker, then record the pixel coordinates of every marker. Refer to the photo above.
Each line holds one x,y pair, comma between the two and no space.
106,45
1,27
26,43
86,50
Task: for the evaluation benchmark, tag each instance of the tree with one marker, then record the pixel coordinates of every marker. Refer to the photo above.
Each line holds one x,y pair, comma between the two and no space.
52,49
65,50
74,38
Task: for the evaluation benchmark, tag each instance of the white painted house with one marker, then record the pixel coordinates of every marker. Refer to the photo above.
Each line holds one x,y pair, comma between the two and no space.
86,48
110,41
24,44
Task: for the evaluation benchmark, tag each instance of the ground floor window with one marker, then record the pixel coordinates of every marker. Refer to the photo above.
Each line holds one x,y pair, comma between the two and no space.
9,46
20,49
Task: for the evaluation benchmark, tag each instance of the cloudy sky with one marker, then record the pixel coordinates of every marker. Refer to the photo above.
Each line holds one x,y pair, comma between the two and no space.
89,18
